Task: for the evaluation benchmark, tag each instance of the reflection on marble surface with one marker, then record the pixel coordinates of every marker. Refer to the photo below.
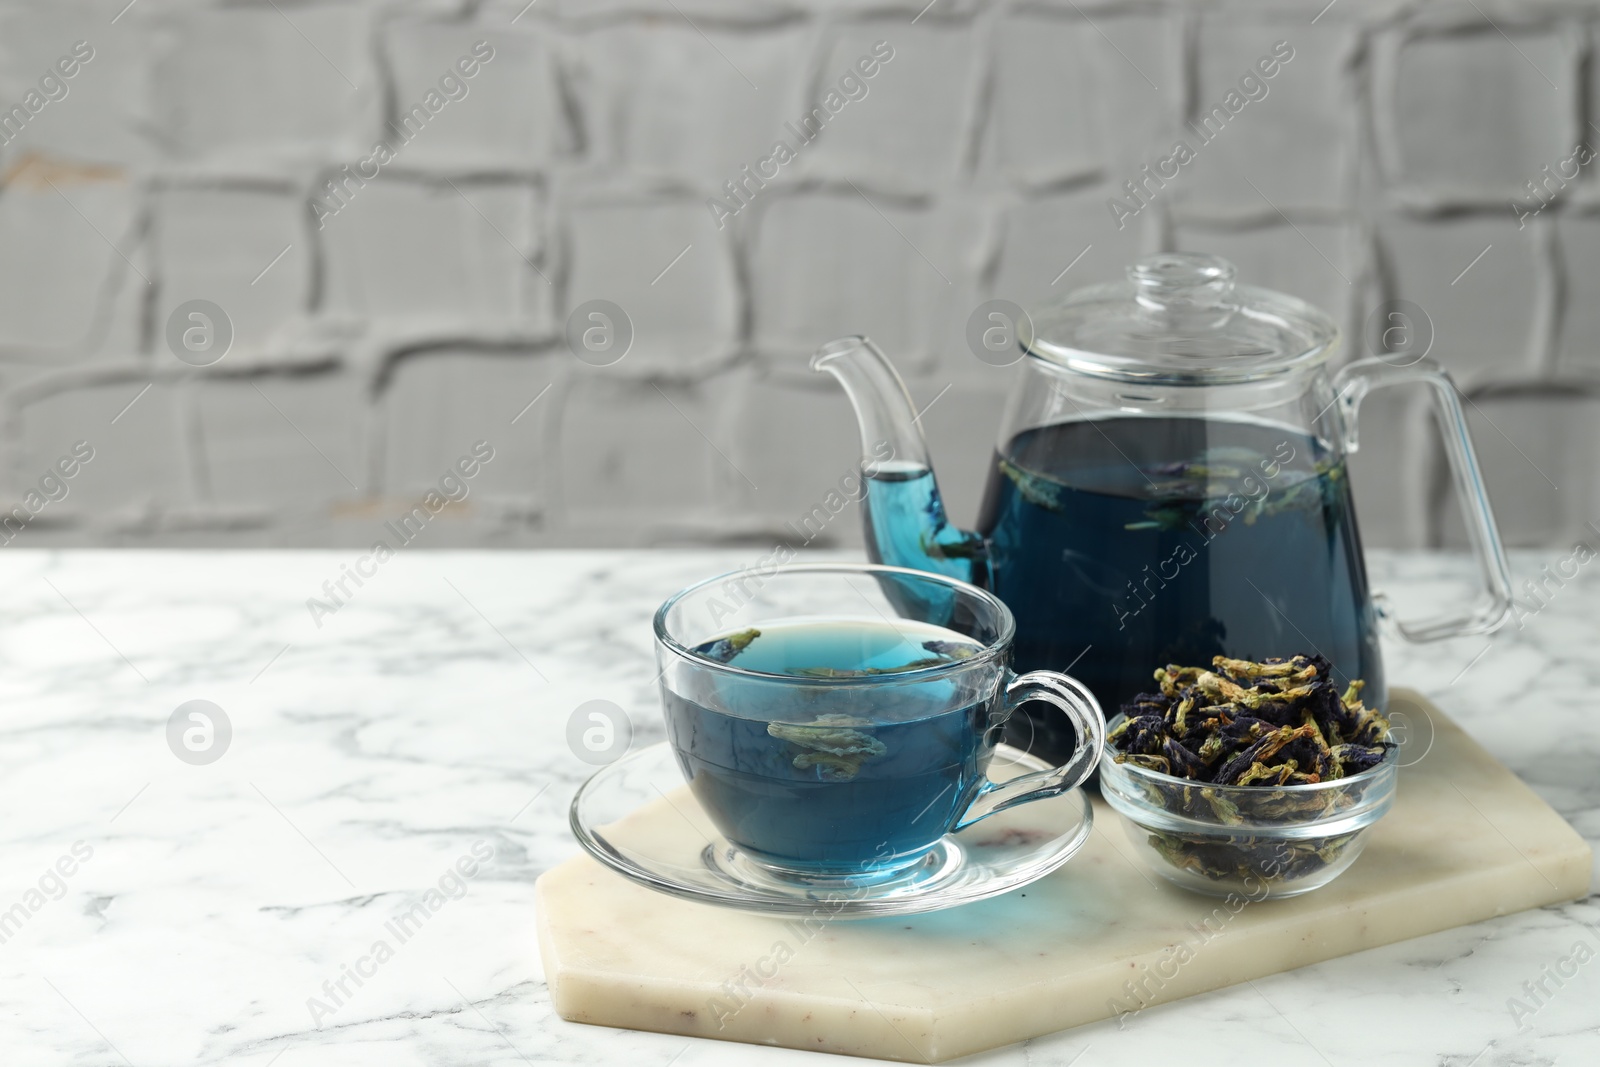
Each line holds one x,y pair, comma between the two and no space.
158,911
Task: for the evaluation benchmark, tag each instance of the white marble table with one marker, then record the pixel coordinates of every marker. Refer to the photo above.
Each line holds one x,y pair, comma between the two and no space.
422,728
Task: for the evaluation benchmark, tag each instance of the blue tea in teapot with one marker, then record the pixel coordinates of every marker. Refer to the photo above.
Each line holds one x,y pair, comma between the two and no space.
1115,558
1169,484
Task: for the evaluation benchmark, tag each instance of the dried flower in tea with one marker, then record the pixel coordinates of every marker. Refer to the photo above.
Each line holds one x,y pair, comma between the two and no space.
724,649
1230,477
832,743
943,652
1036,490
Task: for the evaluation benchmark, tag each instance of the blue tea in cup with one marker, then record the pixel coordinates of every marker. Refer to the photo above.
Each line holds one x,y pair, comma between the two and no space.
836,721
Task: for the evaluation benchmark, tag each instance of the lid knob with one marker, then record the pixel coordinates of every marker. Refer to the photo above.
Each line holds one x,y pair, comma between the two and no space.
1181,281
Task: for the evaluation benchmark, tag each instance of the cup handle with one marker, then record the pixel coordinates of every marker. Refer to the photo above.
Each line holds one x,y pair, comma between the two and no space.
1072,698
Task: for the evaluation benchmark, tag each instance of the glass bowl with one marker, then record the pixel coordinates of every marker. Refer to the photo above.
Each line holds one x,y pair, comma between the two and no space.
1256,841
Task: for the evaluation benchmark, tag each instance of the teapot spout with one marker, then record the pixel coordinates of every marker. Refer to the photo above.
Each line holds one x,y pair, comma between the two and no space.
903,513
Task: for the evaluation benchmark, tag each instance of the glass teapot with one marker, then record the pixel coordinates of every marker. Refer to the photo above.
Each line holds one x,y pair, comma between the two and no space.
1169,485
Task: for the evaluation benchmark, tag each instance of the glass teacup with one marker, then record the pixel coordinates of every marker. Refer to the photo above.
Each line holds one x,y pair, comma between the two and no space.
836,721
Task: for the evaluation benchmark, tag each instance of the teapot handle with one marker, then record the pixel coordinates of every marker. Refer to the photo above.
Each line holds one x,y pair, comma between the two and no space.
1351,385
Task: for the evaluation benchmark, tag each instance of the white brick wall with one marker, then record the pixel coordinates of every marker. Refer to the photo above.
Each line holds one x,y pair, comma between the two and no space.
374,345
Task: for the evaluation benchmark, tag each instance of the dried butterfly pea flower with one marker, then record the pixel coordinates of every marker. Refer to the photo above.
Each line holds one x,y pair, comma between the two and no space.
1271,725
1227,476
1140,736
943,652
833,744
1247,858
1240,713
952,650
724,649
1264,752
1037,491
1185,764
1149,763
866,672
1297,670
1357,758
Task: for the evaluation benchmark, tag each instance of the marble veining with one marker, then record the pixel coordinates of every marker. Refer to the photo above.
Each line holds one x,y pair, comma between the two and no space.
232,912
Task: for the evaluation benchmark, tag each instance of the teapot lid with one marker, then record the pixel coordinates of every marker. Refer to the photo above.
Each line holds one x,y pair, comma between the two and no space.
1180,319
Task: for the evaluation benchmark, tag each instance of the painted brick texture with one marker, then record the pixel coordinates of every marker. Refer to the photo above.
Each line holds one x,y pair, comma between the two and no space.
390,307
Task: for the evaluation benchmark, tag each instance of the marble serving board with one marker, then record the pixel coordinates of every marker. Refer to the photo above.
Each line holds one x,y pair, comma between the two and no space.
1101,937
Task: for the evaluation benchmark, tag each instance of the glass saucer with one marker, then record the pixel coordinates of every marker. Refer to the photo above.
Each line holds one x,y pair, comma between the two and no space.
638,817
